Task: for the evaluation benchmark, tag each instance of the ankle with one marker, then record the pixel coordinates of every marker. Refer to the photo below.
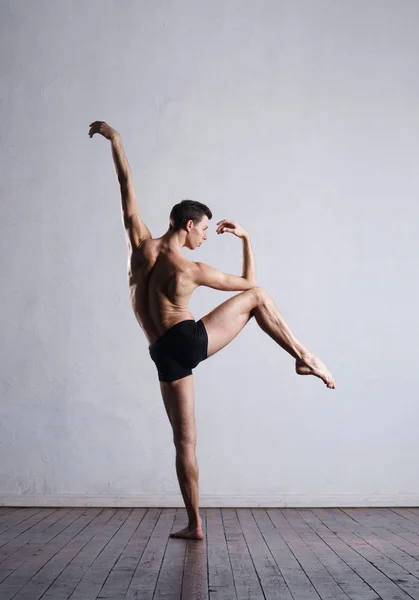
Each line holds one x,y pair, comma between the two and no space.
195,523
302,354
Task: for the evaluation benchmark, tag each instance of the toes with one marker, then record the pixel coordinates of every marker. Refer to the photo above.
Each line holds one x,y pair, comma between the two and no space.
177,534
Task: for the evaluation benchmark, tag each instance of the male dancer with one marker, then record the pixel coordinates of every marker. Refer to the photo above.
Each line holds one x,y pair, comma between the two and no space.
161,282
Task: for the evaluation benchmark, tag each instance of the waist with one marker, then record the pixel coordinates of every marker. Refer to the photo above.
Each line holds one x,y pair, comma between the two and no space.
171,329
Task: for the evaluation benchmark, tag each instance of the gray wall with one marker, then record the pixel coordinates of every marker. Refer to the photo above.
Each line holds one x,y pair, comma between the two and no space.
297,119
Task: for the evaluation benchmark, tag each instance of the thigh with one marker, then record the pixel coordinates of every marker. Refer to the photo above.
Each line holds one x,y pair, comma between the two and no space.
179,401
227,320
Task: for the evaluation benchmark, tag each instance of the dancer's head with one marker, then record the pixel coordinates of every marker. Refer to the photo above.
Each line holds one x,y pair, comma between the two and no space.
191,217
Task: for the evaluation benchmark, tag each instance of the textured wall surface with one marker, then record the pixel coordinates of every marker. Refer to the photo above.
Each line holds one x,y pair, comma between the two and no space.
297,119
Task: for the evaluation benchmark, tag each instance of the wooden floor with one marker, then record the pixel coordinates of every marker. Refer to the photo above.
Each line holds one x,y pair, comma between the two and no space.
299,554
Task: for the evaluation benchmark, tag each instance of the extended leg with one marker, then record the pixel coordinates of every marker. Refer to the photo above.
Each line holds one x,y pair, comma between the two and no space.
225,322
179,401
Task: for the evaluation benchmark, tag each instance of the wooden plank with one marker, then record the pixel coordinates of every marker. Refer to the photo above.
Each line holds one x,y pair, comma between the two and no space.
301,558
24,532
352,584
120,576
169,582
244,573
27,524
75,559
26,552
17,517
342,544
383,539
393,562
399,525
267,552
30,534
145,575
386,518
8,511
42,580
409,516
97,558
195,578
220,575
82,529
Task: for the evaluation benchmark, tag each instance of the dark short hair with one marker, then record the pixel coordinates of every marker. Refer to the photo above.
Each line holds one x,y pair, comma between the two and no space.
185,210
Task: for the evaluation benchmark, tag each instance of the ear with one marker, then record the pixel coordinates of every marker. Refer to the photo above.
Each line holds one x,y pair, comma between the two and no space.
189,225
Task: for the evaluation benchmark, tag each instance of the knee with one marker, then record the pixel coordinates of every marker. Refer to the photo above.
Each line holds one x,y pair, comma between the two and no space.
185,443
259,295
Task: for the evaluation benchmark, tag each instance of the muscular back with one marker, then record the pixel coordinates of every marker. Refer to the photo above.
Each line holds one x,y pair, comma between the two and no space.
161,284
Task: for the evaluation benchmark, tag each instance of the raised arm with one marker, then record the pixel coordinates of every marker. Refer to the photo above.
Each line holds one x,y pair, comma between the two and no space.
135,227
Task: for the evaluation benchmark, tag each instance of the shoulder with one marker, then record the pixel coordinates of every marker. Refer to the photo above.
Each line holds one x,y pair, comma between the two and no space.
199,272
143,256
186,270
145,247
147,244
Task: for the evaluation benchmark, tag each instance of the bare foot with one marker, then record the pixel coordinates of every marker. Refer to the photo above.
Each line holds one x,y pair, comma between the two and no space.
311,365
189,533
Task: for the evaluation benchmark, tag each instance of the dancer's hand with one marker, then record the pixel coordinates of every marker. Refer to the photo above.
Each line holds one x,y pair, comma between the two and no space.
226,226
104,129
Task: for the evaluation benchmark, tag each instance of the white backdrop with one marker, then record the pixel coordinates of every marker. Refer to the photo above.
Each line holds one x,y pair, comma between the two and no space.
297,119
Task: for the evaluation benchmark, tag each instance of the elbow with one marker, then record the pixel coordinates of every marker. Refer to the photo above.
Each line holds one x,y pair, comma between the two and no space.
251,283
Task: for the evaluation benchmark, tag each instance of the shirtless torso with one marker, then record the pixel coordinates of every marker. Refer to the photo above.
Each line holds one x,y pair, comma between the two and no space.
161,286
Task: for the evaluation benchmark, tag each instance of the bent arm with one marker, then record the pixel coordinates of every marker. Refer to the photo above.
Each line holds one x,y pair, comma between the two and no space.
249,264
204,274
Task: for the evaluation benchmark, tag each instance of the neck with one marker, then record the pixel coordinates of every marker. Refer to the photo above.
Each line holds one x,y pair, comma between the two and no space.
174,239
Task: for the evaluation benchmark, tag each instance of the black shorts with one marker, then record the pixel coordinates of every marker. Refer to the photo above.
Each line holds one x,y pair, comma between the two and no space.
180,349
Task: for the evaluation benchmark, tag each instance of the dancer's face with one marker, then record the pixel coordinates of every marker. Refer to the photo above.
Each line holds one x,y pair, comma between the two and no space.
196,233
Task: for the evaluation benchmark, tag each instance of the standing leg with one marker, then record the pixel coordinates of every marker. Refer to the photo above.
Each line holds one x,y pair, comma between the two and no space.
227,320
179,400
